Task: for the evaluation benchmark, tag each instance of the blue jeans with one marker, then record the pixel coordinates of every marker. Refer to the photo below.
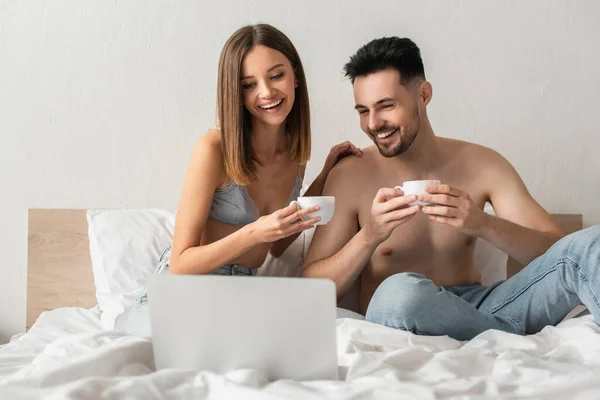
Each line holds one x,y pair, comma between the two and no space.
543,293
136,319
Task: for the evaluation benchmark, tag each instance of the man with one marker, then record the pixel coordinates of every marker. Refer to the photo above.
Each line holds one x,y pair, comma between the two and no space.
415,263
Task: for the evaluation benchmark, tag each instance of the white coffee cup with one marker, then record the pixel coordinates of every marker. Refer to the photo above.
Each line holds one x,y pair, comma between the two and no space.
326,207
416,188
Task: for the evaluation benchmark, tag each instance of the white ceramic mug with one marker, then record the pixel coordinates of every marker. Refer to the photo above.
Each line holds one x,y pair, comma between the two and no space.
326,207
416,188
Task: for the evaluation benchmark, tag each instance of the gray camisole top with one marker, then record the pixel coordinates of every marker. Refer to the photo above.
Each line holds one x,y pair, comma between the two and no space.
233,205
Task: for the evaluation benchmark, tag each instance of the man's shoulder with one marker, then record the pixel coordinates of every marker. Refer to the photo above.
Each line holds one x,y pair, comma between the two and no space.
472,153
353,166
478,161
350,171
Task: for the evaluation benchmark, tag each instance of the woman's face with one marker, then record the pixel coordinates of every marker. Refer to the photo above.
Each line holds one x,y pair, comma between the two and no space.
268,85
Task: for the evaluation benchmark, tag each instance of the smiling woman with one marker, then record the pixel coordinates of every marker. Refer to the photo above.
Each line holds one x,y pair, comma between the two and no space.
274,95
236,204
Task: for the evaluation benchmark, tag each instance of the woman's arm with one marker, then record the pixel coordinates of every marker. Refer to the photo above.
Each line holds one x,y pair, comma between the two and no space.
205,173
316,188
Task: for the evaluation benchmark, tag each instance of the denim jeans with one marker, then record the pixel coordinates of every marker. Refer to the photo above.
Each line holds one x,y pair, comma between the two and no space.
136,319
541,294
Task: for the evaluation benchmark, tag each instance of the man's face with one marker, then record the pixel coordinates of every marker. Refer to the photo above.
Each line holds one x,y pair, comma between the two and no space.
389,112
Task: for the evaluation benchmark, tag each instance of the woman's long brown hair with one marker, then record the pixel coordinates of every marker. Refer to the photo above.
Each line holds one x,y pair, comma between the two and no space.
234,119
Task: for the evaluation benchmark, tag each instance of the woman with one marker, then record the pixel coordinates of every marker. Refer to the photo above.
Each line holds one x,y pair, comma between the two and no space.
235,205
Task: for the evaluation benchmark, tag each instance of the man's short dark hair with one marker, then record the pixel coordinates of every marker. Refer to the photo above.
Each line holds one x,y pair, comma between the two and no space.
401,54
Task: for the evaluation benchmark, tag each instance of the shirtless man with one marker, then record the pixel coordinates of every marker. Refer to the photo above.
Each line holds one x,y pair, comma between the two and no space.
415,263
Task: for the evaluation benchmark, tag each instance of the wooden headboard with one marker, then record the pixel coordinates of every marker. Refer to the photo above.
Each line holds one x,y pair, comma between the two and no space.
59,269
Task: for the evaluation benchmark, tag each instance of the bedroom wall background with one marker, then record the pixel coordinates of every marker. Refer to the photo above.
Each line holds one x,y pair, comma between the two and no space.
102,102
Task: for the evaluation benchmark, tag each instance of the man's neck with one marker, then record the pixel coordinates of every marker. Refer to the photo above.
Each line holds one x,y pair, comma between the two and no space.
425,153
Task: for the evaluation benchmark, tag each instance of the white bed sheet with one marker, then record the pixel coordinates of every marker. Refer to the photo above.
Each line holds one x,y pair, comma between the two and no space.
66,354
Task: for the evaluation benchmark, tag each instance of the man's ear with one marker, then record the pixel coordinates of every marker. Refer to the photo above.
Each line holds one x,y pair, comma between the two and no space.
425,92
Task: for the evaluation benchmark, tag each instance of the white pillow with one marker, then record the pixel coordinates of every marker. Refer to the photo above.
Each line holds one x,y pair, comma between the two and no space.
125,246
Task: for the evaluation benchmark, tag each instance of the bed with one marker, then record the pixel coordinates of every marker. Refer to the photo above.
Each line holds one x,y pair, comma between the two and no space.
69,350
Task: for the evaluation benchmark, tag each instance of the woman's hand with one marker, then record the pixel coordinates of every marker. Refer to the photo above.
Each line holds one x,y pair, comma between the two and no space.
283,223
338,152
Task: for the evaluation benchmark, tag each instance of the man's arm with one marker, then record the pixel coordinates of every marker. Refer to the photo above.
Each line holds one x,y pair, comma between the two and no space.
315,189
336,251
339,250
336,153
521,227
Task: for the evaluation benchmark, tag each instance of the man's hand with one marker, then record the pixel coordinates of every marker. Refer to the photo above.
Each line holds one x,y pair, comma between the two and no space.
453,207
389,210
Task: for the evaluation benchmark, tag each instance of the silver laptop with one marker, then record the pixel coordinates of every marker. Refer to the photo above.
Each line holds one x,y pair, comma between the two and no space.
284,327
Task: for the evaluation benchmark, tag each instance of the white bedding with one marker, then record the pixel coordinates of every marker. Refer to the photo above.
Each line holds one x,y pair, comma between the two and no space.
66,354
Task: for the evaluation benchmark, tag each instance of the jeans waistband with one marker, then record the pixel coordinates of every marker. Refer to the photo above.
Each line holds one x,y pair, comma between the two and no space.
234,269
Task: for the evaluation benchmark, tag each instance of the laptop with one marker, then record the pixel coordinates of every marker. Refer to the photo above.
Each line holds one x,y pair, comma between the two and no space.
284,327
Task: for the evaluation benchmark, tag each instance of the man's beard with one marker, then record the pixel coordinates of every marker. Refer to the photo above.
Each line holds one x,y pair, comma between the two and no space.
407,135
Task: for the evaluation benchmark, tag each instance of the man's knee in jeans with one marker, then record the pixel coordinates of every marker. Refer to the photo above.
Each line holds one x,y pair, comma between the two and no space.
401,301
587,237
590,238
581,246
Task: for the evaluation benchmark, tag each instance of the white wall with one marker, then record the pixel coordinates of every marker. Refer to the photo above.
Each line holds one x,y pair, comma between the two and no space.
102,101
